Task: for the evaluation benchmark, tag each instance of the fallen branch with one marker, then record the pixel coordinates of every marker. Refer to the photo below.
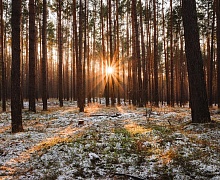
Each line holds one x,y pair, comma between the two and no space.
113,115
98,115
128,176
169,122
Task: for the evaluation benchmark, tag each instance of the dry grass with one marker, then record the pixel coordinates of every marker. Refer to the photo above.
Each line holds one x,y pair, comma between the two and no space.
134,129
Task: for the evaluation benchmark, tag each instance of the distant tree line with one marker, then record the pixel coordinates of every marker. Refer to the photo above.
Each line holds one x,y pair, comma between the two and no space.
62,49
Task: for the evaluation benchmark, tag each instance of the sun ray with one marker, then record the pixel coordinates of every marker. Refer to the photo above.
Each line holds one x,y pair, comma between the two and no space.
104,74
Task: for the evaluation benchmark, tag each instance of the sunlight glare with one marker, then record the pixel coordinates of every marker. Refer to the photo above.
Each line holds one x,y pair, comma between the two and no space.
109,70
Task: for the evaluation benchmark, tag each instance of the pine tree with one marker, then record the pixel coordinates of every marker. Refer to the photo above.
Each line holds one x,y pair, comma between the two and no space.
16,106
197,87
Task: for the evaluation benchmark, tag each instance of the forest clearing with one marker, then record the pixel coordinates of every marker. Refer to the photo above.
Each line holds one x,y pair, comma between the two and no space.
118,142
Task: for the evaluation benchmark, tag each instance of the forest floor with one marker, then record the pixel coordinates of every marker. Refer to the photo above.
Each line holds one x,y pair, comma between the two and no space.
109,143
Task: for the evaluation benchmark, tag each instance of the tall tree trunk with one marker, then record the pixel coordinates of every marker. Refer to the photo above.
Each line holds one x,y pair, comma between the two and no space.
147,73
31,92
107,64
111,85
38,67
156,94
182,73
39,53
79,63
166,61
143,59
1,46
103,49
3,83
210,81
74,51
117,55
16,111
171,56
85,53
218,51
197,87
149,59
89,87
134,53
44,58
208,51
139,69
129,80
60,52
67,73
93,68
105,60
24,66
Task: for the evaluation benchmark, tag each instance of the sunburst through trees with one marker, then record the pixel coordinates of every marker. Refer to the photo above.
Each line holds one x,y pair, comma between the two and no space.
104,80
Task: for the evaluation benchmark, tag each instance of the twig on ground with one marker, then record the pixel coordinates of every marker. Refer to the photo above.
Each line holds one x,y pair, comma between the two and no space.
112,115
169,122
128,176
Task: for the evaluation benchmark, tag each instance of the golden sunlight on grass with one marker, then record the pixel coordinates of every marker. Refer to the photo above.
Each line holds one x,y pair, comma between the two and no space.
66,110
133,129
63,136
47,143
5,128
92,108
168,156
10,171
25,156
120,109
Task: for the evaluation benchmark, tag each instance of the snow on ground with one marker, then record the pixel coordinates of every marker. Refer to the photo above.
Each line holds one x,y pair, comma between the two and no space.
109,143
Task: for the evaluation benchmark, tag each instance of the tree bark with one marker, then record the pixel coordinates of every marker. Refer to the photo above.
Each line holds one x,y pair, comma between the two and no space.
143,59
44,58
75,52
210,81
117,55
3,82
171,56
134,53
16,107
103,53
111,83
197,87
79,63
31,92
218,50
60,52
156,93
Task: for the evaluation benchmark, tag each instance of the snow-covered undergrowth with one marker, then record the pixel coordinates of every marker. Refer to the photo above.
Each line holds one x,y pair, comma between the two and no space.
109,143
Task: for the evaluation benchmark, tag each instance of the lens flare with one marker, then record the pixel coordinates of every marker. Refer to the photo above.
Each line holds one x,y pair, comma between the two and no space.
110,70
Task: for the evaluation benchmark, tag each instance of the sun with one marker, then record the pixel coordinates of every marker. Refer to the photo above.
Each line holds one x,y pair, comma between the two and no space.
110,70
